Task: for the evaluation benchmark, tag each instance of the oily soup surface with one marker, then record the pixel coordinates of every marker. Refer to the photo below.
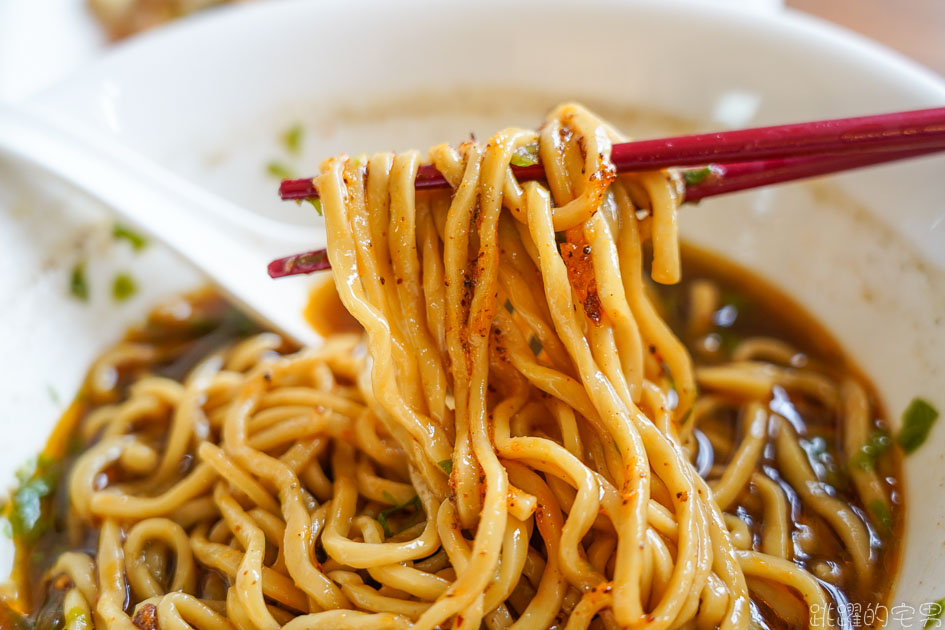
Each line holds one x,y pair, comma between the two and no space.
745,308
720,313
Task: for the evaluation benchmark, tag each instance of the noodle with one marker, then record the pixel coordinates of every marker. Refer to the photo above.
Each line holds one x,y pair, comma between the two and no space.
516,440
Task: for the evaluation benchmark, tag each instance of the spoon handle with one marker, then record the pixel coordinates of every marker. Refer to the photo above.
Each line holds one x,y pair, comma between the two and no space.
229,244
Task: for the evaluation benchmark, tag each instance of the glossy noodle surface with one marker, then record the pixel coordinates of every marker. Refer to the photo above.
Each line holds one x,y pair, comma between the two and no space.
554,416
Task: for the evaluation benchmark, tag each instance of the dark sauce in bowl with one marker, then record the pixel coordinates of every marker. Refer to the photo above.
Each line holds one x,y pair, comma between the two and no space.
182,332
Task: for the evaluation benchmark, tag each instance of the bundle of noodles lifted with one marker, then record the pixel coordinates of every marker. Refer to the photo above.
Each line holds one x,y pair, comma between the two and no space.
514,348
517,446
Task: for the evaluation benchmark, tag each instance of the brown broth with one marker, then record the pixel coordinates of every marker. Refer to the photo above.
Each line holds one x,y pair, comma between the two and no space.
324,311
763,310
189,328
180,333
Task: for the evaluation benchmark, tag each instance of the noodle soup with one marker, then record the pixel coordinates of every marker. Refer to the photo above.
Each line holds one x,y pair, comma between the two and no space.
540,423
743,312
749,320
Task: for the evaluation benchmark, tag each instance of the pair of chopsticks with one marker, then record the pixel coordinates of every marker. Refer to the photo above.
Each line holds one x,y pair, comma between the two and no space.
725,162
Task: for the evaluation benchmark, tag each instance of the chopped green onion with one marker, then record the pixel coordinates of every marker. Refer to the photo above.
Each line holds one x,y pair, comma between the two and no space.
936,610
280,170
25,472
307,260
525,155
292,138
123,287
446,465
735,299
244,325
728,340
695,176
78,283
28,508
29,517
878,443
509,307
917,421
317,204
881,511
824,463
669,377
123,232
77,618
382,516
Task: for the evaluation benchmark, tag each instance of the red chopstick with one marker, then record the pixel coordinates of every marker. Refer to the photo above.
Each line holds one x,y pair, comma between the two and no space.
738,160
715,179
728,178
899,131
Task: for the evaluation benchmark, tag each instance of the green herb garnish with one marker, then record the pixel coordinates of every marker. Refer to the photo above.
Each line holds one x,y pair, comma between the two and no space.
695,176
509,307
883,516
382,516
25,472
280,170
735,299
309,261
525,155
317,204
728,340
823,463
292,138
878,443
237,320
535,344
446,465
917,421
123,287
79,617
78,284
29,517
936,610
123,232
669,377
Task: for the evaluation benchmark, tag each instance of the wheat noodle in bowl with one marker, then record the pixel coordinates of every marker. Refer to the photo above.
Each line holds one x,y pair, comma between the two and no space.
517,439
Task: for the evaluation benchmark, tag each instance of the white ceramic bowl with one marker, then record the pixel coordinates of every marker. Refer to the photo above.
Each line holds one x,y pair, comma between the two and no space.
864,252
